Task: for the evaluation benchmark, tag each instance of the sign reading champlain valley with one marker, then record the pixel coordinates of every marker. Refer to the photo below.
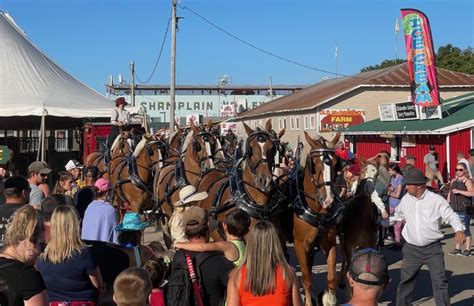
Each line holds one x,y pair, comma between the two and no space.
206,105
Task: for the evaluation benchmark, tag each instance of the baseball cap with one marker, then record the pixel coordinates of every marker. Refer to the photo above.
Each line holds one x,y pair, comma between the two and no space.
368,267
72,164
103,185
39,166
195,217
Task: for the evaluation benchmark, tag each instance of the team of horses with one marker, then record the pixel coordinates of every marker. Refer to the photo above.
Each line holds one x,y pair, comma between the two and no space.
148,174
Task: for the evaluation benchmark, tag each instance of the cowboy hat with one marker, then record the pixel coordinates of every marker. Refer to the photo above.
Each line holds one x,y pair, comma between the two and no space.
189,194
414,177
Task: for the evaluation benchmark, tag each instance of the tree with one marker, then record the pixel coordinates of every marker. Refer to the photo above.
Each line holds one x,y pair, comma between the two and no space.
448,57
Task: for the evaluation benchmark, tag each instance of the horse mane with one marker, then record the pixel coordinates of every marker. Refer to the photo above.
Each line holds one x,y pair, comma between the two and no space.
115,143
139,147
187,140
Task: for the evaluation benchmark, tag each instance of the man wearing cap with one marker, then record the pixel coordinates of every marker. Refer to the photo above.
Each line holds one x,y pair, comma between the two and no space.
423,211
74,167
17,191
368,277
38,172
120,118
188,197
431,167
409,164
212,267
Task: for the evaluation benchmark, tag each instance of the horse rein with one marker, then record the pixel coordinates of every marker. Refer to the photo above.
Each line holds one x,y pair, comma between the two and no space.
325,155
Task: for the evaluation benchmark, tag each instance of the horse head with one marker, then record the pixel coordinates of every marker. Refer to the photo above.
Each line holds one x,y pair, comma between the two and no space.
260,151
372,165
320,170
202,146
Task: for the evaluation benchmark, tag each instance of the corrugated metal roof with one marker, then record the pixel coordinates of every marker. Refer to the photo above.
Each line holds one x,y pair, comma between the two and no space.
315,95
457,111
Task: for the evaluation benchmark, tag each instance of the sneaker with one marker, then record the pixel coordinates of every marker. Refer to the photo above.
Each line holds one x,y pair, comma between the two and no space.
465,253
455,252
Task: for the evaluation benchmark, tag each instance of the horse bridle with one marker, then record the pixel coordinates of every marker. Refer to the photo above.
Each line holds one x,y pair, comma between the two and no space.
325,155
210,150
262,137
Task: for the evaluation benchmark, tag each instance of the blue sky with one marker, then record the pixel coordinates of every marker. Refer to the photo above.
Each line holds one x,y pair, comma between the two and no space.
93,39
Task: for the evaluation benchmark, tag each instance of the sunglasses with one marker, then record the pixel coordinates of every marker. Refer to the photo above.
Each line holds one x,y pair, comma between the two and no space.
43,175
460,170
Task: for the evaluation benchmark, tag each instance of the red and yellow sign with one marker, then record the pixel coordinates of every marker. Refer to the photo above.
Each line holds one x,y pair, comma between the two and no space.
339,119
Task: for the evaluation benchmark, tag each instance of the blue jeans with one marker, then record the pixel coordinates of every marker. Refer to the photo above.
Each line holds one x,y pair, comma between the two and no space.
466,220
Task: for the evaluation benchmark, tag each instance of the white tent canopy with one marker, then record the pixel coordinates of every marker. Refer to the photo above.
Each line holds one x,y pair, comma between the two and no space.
30,81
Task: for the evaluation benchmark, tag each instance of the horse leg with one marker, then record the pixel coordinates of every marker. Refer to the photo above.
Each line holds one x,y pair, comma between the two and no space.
328,243
344,264
304,237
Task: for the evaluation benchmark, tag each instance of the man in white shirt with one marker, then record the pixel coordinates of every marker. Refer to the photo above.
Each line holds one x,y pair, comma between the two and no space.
423,212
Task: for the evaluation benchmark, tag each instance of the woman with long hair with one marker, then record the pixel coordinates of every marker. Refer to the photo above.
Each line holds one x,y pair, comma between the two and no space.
396,190
64,185
265,277
23,242
460,197
67,266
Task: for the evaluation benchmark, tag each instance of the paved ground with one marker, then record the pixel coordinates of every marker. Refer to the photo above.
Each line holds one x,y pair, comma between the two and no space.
460,272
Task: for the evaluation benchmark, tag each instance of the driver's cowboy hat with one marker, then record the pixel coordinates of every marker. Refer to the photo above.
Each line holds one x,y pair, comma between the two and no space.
189,194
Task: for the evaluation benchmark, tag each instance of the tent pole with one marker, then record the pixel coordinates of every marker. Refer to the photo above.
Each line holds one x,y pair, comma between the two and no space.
43,133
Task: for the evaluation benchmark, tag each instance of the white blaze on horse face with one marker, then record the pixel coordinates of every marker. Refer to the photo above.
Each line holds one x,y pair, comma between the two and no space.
209,154
160,158
327,180
277,158
219,153
130,143
371,171
262,144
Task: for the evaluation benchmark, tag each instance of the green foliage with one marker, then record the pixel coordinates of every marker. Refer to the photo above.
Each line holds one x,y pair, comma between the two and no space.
448,57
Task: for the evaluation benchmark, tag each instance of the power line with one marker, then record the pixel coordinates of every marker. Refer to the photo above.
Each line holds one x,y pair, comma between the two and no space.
258,48
159,55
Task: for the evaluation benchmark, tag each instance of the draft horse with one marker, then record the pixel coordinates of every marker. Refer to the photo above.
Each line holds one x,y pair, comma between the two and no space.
314,215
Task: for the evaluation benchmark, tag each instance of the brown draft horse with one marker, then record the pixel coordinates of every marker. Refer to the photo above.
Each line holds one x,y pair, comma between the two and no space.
132,175
311,216
249,187
359,223
197,157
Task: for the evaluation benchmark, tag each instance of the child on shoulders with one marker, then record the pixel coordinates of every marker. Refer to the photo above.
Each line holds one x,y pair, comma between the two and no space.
236,226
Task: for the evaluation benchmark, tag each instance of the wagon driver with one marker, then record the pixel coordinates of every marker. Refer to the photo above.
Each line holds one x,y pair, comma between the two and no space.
120,119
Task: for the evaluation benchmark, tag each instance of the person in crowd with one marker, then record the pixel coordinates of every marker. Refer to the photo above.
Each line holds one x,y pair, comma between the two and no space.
86,194
10,165
231,138
409,164
120,119
16,192
211,266
38,172
460,196
352,177
471,160
423,211
462,159
396,189
67,266
100,217
64,186
132,287
23,243
75,168
431,167
368,277
236,226
341,151
264,277
157,271
3,178
47,207
188,197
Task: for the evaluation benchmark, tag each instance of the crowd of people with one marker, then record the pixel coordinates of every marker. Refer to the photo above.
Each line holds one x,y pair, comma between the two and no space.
67,245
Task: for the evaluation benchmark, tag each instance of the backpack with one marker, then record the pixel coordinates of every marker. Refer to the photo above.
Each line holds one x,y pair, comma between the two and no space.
179,290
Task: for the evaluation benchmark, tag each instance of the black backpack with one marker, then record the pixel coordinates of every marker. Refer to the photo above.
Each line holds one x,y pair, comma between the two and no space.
179,290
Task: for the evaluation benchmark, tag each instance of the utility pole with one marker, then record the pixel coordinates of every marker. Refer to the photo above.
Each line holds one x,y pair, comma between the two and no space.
132,82
173,67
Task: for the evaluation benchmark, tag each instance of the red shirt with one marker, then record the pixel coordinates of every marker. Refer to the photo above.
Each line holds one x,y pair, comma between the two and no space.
157,298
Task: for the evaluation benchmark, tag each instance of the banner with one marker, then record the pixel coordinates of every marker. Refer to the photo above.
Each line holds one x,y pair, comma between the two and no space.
420,58
339,119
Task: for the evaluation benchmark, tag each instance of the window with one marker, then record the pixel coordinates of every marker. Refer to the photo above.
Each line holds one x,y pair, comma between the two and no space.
306,122
292,123
312,122
297,123
281,123
60,141
30,142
